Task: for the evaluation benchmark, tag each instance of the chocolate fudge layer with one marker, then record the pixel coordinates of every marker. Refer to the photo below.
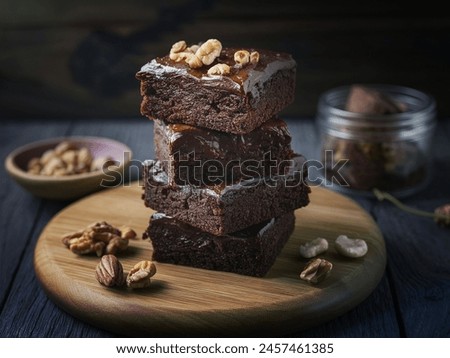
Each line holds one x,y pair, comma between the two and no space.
199,156
221,209
237,102
251,251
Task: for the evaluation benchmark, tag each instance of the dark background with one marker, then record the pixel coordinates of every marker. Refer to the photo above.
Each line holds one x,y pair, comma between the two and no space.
77,59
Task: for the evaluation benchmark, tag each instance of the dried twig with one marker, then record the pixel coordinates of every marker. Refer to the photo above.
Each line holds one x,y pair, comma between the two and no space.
438,217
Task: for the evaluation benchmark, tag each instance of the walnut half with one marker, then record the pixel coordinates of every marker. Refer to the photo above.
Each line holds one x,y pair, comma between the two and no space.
196,56
209,51
242,57
139,275
316,271
219,70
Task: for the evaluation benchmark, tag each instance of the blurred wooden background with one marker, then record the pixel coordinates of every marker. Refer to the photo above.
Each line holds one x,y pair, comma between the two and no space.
77,59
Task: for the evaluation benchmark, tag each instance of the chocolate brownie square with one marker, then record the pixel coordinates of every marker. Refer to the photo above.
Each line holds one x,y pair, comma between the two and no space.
222,209
199,156
251,251
236,102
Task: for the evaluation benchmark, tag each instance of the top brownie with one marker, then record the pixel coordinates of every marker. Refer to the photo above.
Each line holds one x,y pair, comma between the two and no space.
231,90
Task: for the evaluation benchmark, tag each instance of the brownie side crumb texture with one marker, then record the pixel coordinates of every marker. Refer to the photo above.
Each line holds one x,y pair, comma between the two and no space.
235,104
200,156
252,251
224,209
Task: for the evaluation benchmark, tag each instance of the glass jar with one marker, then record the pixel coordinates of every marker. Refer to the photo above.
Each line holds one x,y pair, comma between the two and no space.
390,152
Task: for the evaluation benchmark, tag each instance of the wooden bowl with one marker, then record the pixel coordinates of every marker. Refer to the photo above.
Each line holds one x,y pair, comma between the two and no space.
70,186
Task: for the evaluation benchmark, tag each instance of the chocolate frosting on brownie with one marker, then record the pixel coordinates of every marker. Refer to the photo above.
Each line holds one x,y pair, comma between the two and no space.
237,102
242,79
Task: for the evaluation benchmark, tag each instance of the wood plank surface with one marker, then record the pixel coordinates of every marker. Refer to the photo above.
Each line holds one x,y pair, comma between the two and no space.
409,293
184,301
418,251
20,211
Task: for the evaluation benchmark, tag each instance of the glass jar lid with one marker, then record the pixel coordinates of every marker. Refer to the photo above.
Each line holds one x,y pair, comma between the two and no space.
416,120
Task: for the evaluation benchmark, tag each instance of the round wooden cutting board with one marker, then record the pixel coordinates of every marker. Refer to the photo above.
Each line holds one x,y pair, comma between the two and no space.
188,302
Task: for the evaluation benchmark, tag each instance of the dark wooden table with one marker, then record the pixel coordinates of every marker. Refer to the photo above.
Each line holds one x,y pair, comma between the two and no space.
412,299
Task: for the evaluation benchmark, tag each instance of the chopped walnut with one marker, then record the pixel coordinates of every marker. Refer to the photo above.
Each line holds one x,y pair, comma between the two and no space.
254,57
100,238
116,244
196,56
209,51
45,158
34,166
99,248
105,237
67,238
128,232
178,47
190,58
51,166
219,69
70,157
193,61
316,270
242,57
64,159
139,275
81,246
103,226
193,48
63,147
85,156
179,56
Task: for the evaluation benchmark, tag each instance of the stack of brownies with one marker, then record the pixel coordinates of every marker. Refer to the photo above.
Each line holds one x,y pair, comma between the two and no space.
226,181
